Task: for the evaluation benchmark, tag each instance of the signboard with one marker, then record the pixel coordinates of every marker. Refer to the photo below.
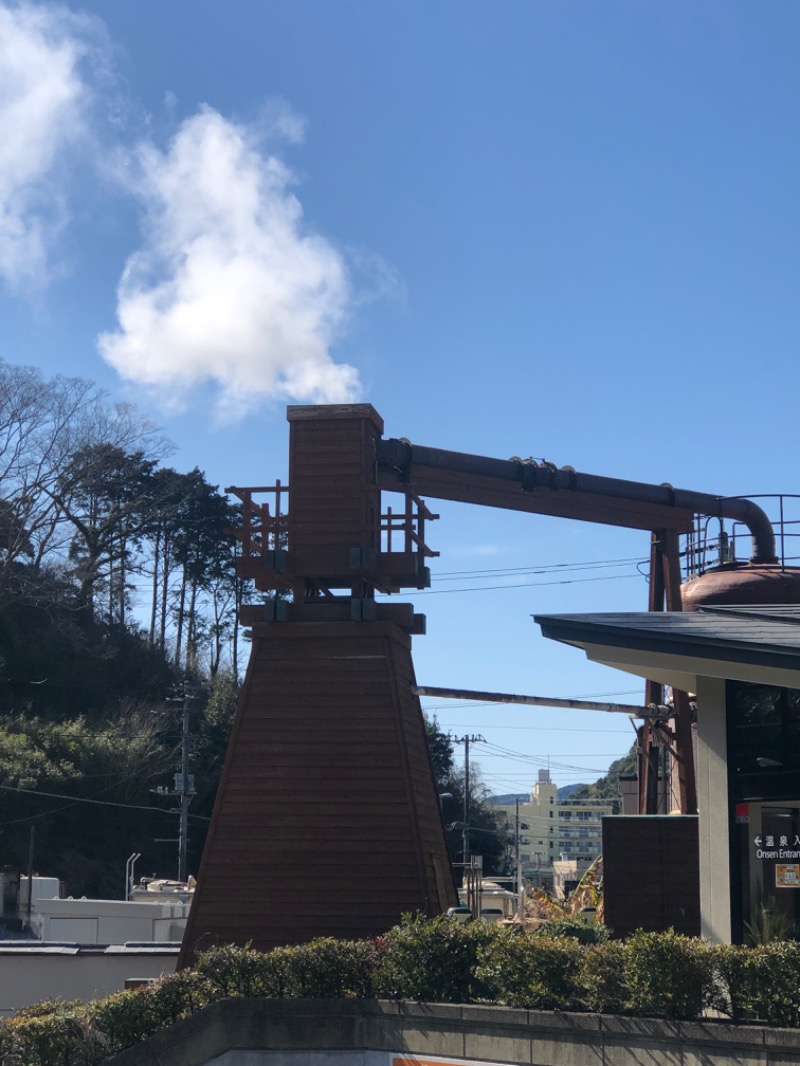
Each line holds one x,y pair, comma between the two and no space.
787,875
777,847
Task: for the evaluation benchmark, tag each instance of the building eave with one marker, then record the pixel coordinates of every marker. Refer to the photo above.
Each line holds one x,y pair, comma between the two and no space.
647,645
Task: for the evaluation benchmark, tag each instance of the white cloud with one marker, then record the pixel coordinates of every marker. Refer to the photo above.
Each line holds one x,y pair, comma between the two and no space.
43,103
229,287
278,119
479,550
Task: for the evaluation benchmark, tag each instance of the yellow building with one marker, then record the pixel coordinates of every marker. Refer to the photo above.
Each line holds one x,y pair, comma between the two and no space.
571,829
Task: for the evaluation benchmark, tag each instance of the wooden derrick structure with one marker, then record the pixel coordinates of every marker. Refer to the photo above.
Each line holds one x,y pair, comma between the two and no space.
327,820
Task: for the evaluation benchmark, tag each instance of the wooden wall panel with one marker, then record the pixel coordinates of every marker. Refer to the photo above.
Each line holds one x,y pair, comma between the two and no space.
651,874
327,820
335,502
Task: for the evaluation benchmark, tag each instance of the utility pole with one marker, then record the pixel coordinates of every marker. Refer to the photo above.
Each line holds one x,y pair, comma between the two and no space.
184,781
518,863
466,740
185,789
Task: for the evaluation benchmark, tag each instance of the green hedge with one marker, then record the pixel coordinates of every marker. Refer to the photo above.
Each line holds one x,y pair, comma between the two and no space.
531,970
437,960
432,959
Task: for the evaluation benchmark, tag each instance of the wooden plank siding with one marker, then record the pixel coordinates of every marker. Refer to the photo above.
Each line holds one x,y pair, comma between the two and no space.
327,820
335,502
651,874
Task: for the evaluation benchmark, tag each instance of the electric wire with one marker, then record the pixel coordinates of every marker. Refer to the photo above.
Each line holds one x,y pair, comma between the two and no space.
529,584
510,571
518,756
84,799
544,568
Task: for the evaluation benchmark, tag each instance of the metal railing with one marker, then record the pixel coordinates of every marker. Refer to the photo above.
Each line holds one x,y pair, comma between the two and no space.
715,541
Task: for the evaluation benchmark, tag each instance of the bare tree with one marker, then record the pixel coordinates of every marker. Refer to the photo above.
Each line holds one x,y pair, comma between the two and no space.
43,424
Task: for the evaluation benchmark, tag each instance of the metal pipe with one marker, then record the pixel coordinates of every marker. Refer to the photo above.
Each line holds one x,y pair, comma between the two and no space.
651,711
401,456
129,866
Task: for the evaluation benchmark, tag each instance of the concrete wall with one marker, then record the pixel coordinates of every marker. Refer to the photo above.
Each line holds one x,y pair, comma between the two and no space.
111,921
712,809
239,1032
30,975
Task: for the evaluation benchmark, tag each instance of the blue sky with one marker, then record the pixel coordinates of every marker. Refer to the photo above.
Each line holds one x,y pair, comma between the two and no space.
567,230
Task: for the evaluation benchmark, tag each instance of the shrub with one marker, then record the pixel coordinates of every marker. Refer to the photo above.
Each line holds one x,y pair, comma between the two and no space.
733,974
601,979
241,971
178,995
123,1018
10,1041
327,968
667,975
776,982
531,970
591,933
766,923
50,1006
128,1017
53,1035
431,959
321,968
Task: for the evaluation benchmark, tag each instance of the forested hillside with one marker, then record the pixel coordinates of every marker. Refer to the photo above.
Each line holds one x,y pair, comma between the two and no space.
117,584
607,788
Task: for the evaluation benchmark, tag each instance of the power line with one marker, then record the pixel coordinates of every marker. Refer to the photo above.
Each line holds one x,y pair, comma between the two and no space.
586,755
452,575
518,756
94,735
529,584
82,799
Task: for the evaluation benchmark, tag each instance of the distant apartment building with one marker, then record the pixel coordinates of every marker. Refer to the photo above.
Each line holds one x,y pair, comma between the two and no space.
570,829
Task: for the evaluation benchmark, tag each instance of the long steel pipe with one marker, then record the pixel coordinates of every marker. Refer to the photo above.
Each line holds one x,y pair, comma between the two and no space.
402,456
653,710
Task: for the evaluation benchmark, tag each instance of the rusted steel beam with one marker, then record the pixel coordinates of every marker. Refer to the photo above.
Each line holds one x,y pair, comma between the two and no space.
684,750
648,746
485,491
665,594
399,460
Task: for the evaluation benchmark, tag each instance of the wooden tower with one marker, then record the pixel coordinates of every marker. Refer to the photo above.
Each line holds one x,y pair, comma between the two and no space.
327,820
